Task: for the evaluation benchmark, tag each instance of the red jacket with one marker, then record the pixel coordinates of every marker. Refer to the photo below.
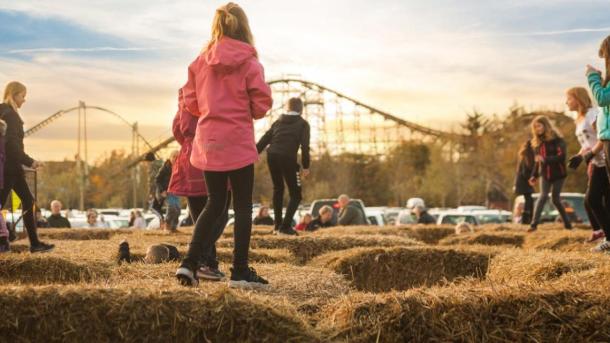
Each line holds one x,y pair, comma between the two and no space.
226,89
186,180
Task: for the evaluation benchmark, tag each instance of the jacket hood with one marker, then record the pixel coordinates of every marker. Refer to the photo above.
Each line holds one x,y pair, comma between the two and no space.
228,54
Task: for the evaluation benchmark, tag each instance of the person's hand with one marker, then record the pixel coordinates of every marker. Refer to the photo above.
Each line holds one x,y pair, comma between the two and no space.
37,164
539,158
532,181
304,173
590,69
588,156
575,161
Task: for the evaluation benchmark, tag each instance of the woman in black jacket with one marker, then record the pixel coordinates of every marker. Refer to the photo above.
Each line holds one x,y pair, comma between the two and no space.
550,158
16,158
525,169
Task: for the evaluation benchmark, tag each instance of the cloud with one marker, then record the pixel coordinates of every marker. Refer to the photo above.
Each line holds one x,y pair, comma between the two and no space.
94,49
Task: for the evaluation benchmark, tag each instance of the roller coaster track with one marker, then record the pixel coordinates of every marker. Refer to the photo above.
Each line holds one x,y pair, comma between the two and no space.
438,134
55,116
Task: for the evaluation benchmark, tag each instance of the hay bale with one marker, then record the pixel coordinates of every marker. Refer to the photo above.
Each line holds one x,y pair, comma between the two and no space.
454,314
81,234
430,234
536,266
382,270
257,230
484,238
258,255
562,240
93,314
304,248
48,269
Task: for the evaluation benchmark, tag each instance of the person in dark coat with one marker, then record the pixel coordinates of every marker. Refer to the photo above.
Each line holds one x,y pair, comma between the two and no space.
525,168
422,215
550,157
16,159
287,134
348,214
56,220
263,217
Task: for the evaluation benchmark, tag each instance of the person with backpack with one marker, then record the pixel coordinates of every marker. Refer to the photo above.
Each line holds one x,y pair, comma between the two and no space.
15,160
287,134
226,89
550,158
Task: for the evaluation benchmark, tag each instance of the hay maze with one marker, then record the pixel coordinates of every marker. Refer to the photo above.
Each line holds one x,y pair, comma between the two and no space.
362,284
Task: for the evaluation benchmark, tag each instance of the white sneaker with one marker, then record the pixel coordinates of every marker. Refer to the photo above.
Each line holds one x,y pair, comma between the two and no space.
187,277
603,247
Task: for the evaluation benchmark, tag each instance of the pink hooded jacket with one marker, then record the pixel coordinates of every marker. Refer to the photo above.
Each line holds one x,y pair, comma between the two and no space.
186,180
226,89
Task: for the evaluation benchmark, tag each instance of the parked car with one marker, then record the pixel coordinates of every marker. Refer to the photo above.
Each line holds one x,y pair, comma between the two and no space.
471,208
492,216
456,217
573,202
316,205
405,218
376,215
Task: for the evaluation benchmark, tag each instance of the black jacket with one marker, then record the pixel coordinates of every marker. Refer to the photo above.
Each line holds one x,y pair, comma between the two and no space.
57,221
163,177
525,169
285,136
426,218
263,221
554,166
317,224
15,156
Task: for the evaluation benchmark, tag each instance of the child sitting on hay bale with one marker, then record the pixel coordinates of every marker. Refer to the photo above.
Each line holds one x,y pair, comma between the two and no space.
463,227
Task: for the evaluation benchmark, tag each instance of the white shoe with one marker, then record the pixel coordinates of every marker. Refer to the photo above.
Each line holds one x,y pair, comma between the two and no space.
187,277
603,247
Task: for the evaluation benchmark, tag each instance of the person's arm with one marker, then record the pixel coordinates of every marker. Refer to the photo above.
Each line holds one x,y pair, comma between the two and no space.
12,143
176,128
162,176
601,94
265,140
305,158
560,157
258,90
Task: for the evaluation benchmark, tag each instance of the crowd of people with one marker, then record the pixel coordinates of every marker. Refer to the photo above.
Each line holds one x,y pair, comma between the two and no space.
224,93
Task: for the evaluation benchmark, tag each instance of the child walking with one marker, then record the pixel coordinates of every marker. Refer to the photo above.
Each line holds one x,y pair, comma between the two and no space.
550,158
226,89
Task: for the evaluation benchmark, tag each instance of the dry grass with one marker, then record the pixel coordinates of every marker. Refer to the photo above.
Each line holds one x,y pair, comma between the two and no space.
421,284
382,270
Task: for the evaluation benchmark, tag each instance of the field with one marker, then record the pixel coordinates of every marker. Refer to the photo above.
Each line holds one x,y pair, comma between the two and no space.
361,284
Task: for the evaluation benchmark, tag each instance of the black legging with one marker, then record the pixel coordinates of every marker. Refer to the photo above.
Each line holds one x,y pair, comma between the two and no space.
283,168
598,198
196,205
242,182
528,209
17,183
555,188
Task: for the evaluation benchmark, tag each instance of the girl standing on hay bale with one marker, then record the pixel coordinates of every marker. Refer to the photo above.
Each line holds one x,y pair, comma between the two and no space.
16,158
597,197
226,89
550,158
525,168
187,181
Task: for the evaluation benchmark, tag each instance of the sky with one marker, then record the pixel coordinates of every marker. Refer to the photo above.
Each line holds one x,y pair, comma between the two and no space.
429,62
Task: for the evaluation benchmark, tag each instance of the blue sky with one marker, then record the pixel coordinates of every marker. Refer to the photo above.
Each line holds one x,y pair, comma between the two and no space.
429,62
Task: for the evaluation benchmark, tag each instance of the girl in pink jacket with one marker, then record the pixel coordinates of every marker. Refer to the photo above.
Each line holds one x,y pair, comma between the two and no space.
226,89
188,181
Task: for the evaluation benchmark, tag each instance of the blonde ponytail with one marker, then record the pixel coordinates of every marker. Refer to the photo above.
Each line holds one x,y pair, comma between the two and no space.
230,20
11,90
